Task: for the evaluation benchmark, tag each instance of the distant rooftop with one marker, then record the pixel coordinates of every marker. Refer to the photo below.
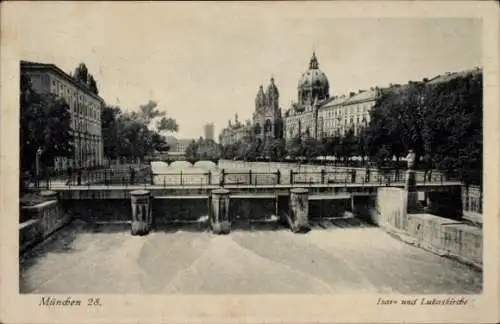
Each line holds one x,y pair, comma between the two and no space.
450,76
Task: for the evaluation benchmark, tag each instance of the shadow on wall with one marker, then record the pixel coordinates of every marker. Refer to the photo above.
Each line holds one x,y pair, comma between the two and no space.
328,208
445,204
365,207
252,209
170,210
97,210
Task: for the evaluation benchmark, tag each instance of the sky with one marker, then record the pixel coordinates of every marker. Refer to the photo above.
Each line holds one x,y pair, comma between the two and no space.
205,64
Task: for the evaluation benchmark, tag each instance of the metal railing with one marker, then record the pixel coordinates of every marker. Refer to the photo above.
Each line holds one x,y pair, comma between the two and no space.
472,199
144,176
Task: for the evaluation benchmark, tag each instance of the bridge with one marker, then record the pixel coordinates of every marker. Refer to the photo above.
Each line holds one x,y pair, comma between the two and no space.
321,185
177,210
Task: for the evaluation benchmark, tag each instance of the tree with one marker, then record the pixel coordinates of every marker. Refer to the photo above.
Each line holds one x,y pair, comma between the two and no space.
83,76
362,144
45,122
310,148
348,145
192,152
294,147
93,85
109,131
167,124
81,73
441,122
131,135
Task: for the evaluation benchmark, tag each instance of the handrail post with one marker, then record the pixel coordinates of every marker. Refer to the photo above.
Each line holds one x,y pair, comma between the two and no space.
209,177
250,176
278,176
322,176
181,179
291,177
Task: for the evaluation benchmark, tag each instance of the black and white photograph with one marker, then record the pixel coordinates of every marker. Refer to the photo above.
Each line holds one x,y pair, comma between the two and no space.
171,149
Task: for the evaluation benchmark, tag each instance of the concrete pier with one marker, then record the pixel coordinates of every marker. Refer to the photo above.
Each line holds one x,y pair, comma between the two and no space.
219,211
142,213
299,209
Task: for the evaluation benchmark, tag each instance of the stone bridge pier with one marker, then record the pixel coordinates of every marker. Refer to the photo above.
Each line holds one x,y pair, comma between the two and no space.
219,211
142,212
299,209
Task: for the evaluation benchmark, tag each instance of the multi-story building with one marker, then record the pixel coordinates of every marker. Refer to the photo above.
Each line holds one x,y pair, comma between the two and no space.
208,131
85,107
182,144
267,122
234,132
317,114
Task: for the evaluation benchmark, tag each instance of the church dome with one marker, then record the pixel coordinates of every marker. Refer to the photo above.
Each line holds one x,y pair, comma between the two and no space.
313,77
313,84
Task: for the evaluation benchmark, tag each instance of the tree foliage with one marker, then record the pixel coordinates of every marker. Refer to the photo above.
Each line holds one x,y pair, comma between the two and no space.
45,123
441,122
85,78
131,134
203,149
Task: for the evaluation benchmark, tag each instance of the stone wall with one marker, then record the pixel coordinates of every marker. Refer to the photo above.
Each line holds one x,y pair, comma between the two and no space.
390,208
443,236
99,210
447,237
39,221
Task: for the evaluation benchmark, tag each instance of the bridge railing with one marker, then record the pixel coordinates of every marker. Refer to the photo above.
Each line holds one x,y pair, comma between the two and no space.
182,179
345,177
127,177
472,203
110,176
250,178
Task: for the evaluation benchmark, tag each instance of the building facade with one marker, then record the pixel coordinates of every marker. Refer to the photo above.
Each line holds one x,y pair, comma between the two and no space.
266,124
85,107
234,132
318,114
267,120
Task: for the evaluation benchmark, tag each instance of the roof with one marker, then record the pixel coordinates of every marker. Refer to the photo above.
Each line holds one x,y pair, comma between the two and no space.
366,95
184,141
450,76
27,65
334,101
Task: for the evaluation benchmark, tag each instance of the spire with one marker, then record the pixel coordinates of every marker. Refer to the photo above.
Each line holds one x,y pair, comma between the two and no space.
260,99
313,64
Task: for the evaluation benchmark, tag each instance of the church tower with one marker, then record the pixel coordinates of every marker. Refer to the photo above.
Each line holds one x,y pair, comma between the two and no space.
267,116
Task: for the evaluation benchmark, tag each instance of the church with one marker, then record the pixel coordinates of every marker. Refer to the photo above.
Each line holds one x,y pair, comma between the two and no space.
267,120
318,114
